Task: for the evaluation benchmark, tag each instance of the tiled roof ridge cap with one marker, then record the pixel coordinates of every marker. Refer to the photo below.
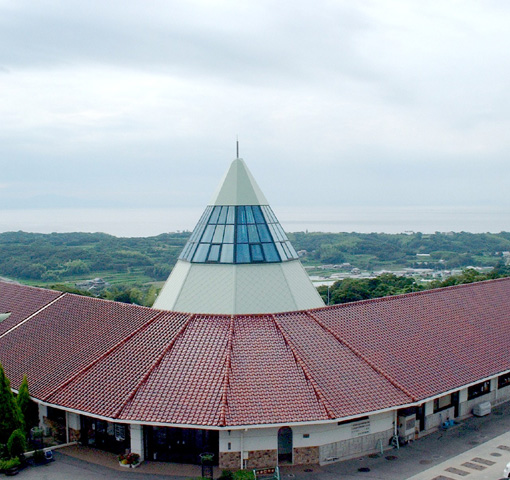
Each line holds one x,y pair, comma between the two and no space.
226,379
389,298
34,314
299,361
372,365
158,360
101,357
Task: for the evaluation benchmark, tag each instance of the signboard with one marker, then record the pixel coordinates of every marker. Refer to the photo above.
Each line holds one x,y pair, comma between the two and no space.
358,429
267,472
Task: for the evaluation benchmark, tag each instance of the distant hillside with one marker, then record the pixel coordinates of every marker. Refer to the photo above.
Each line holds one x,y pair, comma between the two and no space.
44,259
379,250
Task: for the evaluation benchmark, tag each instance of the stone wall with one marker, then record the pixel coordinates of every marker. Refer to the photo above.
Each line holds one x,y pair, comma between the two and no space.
262,459
230,460
306,455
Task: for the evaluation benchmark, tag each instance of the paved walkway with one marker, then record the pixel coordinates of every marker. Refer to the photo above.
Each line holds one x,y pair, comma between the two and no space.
477,449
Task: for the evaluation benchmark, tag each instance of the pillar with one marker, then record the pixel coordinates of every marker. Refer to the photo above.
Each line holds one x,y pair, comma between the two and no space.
137,446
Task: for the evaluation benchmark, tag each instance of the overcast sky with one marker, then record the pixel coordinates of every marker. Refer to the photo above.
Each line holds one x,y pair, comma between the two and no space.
336,103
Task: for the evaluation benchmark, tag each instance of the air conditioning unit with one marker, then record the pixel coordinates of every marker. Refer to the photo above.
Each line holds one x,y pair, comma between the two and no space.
406,427
482,409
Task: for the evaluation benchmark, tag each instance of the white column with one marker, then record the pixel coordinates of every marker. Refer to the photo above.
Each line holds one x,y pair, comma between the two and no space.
43,412
137,440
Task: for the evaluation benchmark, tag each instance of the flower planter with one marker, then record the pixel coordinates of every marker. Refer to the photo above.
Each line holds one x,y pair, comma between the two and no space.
129,465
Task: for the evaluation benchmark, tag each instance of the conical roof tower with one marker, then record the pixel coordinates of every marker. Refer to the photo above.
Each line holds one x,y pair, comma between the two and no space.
238,258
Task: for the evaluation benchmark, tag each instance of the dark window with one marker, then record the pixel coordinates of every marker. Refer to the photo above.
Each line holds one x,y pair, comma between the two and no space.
443,403
504,380
479,389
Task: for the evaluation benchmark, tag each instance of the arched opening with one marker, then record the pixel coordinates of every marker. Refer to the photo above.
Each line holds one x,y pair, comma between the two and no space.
284,445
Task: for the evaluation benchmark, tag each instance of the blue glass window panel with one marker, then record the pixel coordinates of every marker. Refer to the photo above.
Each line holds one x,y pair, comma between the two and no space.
215,214
223,215
191,251
249,215
287,251
207,237
272,215
241,215
243,253
214,253
275,233
253,235
270,252
282,232
264,233
187,249
257,214
229,234
201,253
292,251
227,253
218,234
242,234
267,217
281,251
231,215
256,253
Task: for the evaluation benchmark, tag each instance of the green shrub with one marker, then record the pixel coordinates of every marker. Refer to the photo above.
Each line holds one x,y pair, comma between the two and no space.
4,453
17,443
227,475
11,462
243,475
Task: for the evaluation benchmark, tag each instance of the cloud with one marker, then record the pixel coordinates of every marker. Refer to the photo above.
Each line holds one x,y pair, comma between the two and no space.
140,102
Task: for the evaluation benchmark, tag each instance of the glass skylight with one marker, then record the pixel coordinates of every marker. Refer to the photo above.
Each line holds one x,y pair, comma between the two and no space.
238,234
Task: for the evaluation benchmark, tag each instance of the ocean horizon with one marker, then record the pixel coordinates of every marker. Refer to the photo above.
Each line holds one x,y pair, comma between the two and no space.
145,222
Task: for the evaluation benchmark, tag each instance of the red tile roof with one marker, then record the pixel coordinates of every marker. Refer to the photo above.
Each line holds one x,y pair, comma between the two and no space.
138,364
22,302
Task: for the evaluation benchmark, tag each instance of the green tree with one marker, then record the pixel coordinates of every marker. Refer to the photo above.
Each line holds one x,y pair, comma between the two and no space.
27,406
17,443
10,414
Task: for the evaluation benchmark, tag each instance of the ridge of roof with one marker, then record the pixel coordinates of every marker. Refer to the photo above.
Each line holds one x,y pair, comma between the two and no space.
226,380
101,357
158,360
353,349
299,361
32,315
238,187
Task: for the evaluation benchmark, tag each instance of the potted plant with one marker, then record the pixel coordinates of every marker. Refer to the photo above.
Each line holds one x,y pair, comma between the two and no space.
129,460
11,466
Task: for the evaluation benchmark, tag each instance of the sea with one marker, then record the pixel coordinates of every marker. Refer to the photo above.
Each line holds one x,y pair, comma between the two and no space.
145,222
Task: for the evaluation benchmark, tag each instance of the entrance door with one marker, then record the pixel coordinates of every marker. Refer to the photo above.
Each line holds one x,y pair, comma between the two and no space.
284,445
180,445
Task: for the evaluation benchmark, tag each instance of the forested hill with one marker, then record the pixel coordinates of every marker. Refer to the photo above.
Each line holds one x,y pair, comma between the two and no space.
48,258
376,250
60,256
